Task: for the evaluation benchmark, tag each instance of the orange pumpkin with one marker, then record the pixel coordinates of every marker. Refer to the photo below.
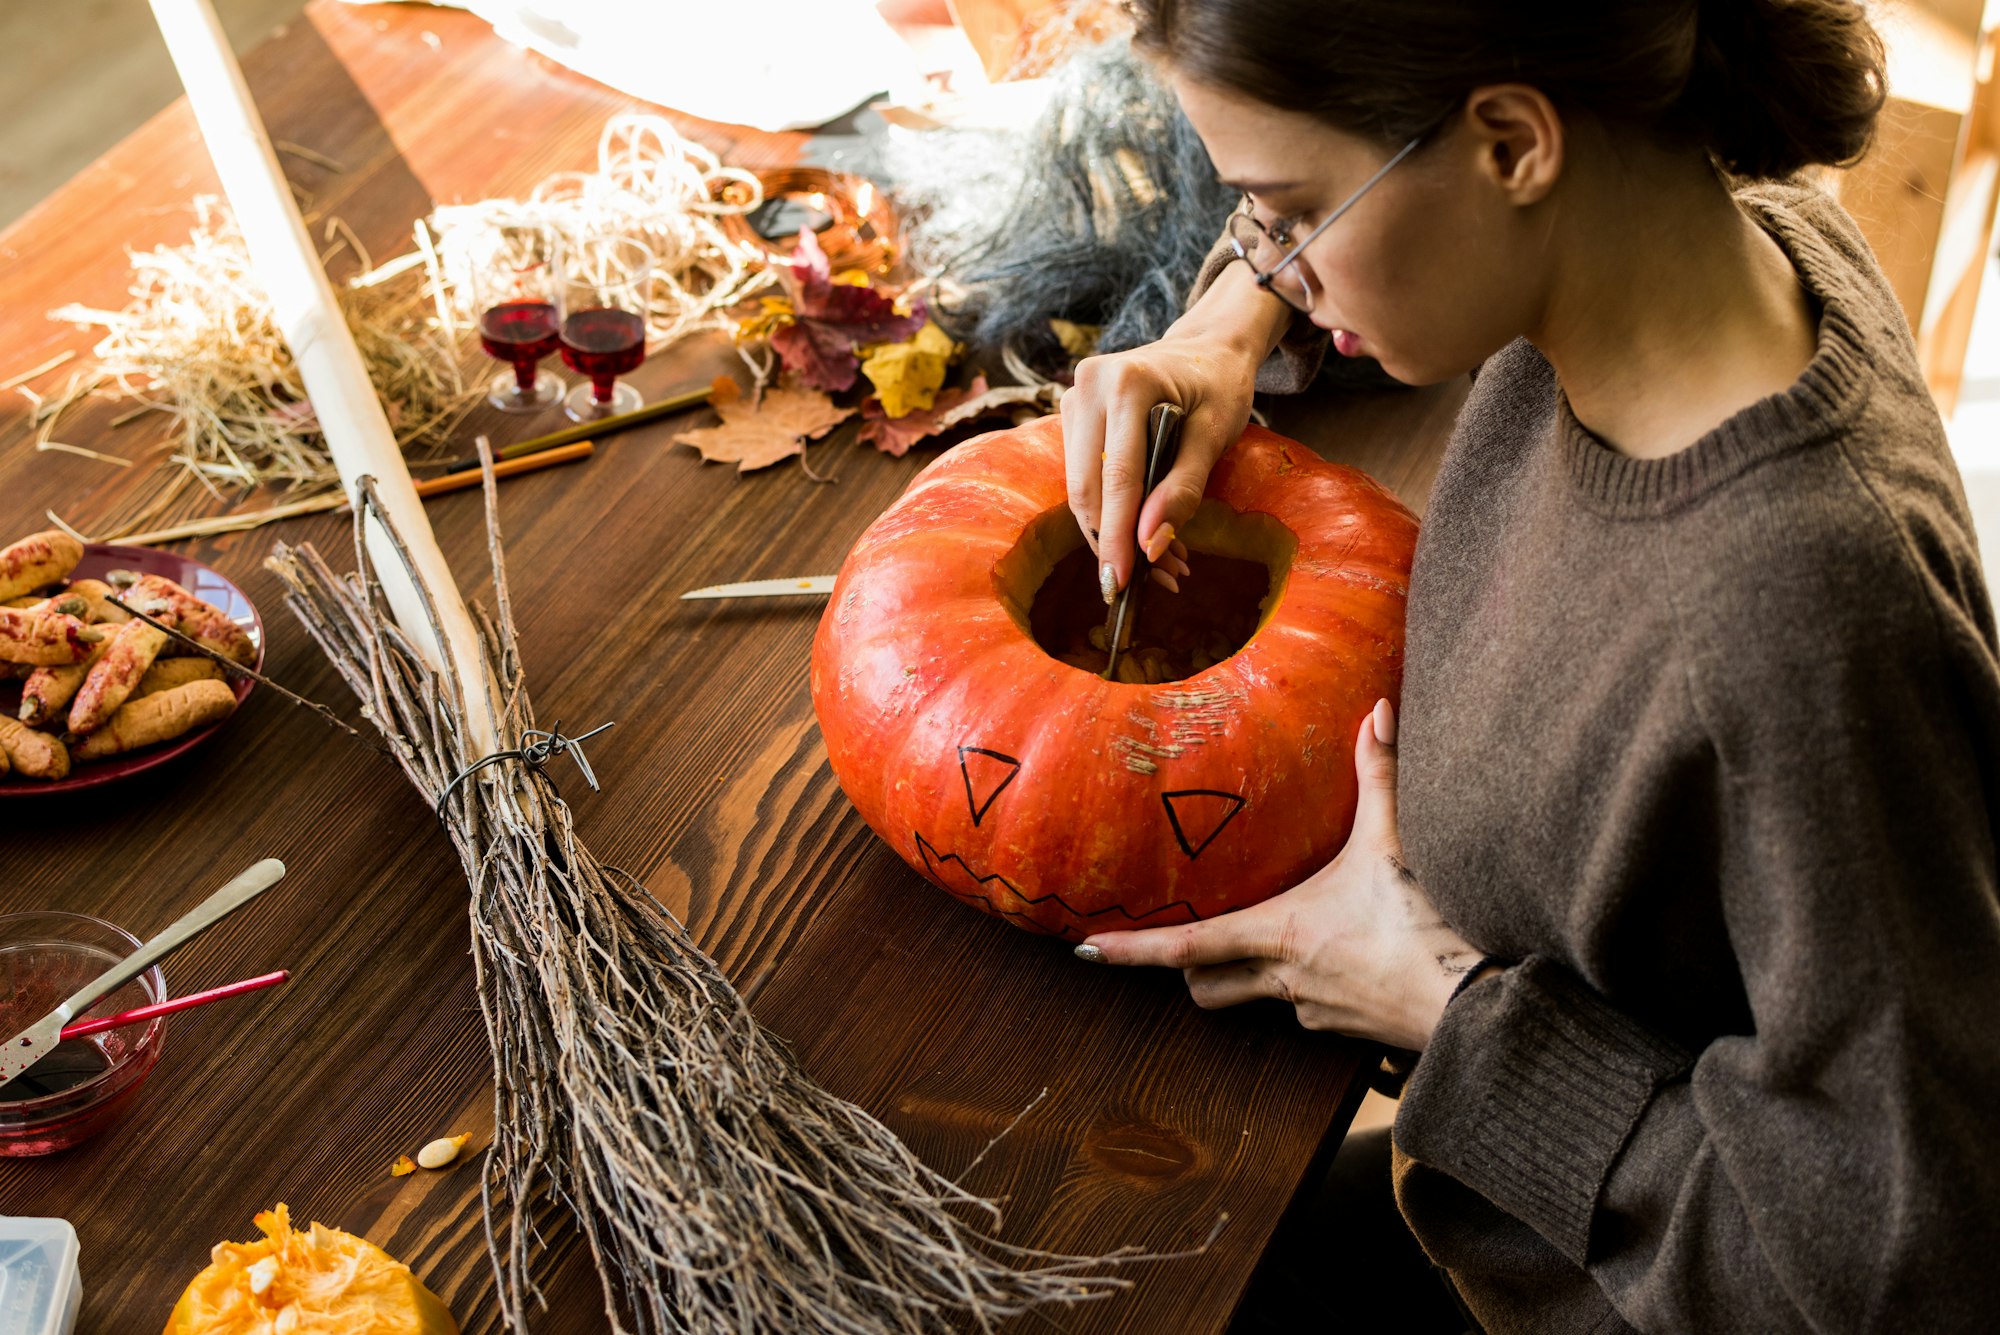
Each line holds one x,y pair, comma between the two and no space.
1066,804
319,1282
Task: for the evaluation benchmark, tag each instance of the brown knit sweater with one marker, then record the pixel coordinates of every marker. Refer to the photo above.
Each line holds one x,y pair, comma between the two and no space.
1710,745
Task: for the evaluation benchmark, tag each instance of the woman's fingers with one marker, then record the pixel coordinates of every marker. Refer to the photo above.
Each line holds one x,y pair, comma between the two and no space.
1375,777
1244,934
1172,504
1120,481
1206,434
1083,461
1216,985
1105,435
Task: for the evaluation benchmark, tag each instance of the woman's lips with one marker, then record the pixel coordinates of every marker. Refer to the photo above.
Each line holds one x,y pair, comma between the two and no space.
1346,342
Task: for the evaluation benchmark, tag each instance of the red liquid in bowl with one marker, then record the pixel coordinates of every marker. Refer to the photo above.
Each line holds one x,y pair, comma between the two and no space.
44,958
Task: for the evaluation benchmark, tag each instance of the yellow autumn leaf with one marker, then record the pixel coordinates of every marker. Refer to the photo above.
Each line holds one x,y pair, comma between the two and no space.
907,375
776,313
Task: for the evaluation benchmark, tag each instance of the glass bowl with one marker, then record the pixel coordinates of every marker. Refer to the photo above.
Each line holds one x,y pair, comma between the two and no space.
44,958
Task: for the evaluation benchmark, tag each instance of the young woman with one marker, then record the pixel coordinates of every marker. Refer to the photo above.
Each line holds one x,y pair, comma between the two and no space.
1679,868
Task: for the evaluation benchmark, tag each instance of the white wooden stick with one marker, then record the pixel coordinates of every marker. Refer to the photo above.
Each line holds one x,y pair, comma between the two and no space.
357,432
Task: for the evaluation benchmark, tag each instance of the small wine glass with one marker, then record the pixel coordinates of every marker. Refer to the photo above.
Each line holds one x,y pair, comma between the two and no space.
604,298
515,288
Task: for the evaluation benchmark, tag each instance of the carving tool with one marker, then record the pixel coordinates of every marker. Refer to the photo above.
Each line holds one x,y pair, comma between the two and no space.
31,1044
1164,440
819,585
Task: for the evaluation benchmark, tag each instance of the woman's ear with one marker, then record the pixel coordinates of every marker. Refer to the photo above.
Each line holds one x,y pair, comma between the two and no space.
1519,139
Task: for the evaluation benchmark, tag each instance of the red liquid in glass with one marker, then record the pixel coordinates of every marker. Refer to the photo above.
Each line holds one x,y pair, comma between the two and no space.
603,343
520,331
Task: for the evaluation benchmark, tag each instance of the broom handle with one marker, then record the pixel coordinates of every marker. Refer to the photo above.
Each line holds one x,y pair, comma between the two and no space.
350,415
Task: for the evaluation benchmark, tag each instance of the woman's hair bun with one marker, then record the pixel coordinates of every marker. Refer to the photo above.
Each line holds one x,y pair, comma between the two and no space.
1766,86
1779,85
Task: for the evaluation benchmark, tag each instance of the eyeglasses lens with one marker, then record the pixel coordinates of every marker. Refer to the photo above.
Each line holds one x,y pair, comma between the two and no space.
1264,254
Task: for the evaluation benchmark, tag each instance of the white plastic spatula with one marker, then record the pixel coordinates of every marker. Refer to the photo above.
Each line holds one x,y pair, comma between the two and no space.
31,1044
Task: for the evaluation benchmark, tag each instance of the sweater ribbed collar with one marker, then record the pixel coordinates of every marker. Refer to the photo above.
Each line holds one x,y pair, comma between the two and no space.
1824,400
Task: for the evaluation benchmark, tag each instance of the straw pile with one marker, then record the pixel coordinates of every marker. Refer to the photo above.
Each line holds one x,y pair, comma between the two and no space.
198,343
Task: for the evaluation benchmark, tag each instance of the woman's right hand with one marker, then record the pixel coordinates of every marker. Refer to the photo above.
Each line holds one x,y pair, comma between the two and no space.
1206,364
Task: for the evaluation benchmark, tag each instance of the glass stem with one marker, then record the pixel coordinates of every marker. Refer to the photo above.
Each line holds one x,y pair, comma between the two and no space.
524,376
602,387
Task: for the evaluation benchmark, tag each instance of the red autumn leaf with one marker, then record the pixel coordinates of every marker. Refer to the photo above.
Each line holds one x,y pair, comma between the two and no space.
777,428
895,435
830,319
824,358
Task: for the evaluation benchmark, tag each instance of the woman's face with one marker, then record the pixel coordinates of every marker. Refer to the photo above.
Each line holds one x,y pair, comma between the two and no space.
1433,271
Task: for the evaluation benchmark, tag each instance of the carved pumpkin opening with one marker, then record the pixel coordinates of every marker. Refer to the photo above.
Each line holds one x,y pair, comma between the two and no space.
1048,582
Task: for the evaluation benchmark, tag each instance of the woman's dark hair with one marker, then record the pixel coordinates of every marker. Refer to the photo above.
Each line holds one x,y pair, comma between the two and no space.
1767,87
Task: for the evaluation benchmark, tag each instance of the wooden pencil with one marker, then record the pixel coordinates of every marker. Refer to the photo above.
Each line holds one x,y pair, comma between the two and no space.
597,430
337,500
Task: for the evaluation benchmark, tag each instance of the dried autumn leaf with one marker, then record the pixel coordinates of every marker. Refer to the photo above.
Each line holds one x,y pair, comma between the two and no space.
776,429
907,375
895,435
1078,340
1032,399
830,317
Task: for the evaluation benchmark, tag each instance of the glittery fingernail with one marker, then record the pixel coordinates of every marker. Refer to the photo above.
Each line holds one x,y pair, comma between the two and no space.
1094,954
1107,582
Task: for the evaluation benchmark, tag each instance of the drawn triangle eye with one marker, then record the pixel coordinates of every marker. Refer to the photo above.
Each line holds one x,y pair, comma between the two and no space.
1198,815
985,773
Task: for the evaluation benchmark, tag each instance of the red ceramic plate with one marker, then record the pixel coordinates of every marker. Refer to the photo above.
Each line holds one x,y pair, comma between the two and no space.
204,582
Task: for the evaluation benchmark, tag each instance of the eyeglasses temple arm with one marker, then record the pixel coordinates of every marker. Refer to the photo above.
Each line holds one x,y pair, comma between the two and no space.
1334,217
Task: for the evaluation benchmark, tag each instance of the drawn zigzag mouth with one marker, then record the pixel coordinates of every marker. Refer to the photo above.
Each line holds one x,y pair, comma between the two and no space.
935,860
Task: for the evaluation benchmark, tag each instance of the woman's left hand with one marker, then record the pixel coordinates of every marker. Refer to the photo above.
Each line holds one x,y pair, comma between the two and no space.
1356,947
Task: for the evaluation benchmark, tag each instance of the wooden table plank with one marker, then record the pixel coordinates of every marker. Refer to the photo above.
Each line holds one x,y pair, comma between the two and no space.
718,794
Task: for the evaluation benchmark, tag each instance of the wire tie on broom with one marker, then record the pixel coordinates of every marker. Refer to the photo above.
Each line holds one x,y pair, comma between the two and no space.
541,747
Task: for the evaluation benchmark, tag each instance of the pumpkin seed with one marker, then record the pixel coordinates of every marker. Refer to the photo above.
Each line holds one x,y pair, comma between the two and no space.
440,1151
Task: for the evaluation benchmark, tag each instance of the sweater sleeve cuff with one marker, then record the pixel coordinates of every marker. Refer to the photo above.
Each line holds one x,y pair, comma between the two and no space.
1297,358
1529,1089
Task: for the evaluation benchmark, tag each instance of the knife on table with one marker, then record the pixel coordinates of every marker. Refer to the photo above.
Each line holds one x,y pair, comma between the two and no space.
32,1044
766,588
1163,445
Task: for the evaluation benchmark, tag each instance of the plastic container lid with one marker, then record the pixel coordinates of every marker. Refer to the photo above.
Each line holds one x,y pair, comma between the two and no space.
40,1287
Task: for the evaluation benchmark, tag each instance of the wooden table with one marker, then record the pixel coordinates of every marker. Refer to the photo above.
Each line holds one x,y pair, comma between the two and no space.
942,1022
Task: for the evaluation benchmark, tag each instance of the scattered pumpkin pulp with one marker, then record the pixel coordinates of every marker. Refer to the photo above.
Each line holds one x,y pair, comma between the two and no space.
318,1282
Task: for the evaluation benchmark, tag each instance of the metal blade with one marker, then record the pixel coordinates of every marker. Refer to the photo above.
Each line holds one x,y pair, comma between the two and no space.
30,1046
766,588
1164,444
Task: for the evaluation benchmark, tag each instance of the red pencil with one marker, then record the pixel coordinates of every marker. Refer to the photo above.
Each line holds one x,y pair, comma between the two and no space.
139,1013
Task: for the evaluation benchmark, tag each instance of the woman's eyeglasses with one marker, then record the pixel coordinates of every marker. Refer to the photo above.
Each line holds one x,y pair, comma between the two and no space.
1276,267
